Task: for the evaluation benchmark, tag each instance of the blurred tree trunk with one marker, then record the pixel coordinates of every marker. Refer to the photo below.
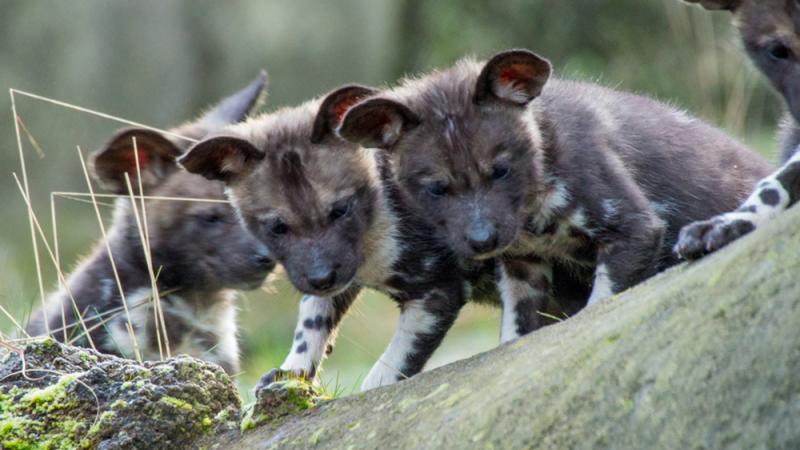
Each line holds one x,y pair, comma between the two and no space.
412,37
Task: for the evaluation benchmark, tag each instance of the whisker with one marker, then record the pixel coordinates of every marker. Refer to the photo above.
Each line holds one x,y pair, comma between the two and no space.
97,113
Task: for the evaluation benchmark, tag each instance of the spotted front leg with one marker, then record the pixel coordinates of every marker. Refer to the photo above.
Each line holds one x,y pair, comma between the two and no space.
524,286
422,326
313,336
773,195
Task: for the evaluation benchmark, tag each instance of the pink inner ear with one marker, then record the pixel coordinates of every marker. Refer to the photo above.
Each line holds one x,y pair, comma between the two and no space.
508,75
144,159
341,108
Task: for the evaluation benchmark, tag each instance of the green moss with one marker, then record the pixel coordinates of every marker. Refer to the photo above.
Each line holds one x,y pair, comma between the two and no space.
177,403
315,438
248,423
62,412
106,416
118,404
17,444
51,397
279,400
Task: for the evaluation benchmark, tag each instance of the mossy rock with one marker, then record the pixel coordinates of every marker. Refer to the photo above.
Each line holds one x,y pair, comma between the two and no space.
278,401
704,356
71,397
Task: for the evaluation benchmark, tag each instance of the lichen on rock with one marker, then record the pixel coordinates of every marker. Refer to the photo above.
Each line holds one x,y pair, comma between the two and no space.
54,396
279,400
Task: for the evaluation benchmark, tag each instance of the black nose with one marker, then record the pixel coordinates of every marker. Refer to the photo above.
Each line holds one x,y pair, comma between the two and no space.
482,238
264,260
322,279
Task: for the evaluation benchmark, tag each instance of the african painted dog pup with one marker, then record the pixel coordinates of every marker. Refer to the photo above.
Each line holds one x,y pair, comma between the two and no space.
507,165
200,252
770,30
331,213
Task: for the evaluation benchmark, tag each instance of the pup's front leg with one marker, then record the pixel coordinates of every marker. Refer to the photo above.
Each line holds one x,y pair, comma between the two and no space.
772,196
314,335
525,290
627,255
422,326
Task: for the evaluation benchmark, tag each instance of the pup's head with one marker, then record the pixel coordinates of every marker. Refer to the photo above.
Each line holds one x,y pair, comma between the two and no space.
464,146
310,196
770,31
195,245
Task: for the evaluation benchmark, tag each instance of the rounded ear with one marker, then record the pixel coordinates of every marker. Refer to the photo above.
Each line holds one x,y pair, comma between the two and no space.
377,123
334,107
716,5
514,76
156,156
221,158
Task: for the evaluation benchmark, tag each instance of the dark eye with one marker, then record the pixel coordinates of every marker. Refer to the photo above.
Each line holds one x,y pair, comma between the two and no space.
778,52
211,218
499,172
279,227
437,188
340,209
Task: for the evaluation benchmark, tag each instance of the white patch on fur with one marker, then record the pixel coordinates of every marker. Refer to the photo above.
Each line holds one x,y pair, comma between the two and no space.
226,329
512,291
118,336
316,340
610,208
107,287
558,198
414,319
578,220
531,123
663,209
381,244
764,213
603,286
217,317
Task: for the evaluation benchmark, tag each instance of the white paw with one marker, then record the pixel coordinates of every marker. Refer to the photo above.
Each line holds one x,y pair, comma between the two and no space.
379,375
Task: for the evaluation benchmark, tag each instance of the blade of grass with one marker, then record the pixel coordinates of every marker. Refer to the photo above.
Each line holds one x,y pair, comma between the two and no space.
97,113
159,313
132,335
59,273
148,262
58,259
24,170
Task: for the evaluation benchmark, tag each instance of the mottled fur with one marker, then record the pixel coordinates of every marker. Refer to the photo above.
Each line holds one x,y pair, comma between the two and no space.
565,173
770,32
200,252
333,216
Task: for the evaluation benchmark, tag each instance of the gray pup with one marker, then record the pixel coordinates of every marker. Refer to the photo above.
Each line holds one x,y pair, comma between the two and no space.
200,252
769,31
506,164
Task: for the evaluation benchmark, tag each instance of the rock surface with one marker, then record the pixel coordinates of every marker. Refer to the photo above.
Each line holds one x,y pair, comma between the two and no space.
706,355
58,397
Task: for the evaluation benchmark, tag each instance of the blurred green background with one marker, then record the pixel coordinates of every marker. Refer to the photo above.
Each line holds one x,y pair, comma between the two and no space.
159,62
